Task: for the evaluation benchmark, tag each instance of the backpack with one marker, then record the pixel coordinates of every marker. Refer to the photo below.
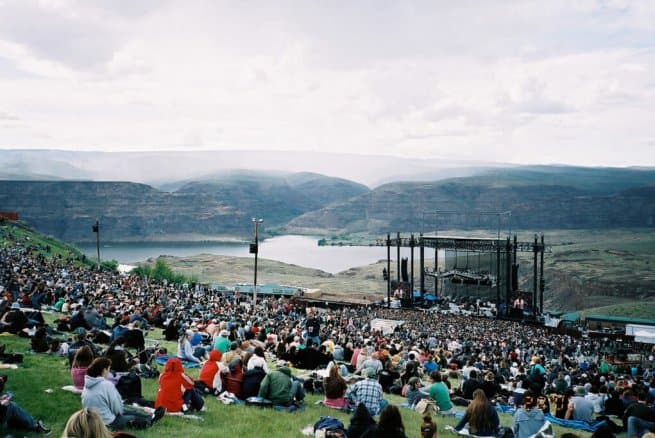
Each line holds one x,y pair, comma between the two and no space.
328,426
129,387
426,406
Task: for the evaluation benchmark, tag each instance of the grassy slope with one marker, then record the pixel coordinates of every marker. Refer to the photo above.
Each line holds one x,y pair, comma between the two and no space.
40,373
40,241
36,387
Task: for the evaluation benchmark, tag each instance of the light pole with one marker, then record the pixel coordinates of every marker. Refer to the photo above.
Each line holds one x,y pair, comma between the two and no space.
96,229
254,249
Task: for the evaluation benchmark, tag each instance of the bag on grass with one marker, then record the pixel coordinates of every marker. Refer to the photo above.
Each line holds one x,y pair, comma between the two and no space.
129,387
426,406
328,426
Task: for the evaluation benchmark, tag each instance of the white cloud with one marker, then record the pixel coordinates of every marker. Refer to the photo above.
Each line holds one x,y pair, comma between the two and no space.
517,81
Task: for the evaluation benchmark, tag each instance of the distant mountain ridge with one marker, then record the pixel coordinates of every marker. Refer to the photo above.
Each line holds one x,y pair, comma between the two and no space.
538,197
166,168
543,199
138,212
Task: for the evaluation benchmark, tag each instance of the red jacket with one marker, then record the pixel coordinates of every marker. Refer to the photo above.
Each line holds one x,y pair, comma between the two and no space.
210,368
172,384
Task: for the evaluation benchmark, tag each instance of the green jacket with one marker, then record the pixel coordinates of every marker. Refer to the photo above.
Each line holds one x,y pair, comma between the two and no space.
276,386
222,344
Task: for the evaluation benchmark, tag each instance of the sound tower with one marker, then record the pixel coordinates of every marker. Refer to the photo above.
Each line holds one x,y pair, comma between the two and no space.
403,269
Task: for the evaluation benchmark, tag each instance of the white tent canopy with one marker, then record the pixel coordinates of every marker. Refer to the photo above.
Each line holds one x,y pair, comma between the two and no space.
386,326
642,333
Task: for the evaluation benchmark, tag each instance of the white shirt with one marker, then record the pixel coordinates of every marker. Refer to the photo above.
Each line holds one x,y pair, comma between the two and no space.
257,362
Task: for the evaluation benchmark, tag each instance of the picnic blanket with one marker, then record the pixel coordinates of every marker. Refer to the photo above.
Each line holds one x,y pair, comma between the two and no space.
71,388
575,424
161,360
505,409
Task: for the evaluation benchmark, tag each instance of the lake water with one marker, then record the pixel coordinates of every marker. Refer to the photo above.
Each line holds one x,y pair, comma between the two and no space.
297,250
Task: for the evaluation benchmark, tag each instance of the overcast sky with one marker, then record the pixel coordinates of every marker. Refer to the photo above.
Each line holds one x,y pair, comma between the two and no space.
569,81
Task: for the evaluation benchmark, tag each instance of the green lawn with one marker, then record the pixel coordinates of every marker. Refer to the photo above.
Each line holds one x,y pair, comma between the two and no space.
37,387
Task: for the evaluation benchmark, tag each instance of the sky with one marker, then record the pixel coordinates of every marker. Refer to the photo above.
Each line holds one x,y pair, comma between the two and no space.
569,81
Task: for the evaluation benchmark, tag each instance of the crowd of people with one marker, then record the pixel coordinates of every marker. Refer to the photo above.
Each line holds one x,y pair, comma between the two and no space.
245,350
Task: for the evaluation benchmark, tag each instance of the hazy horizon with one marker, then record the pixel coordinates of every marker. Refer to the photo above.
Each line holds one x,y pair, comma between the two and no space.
500,81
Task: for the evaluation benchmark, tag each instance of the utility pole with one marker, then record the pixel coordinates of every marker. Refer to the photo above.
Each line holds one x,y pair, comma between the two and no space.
96,229
254,249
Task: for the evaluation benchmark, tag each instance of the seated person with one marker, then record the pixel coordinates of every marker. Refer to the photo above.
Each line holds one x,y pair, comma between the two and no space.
81,361
121,360
639,418
579,408
176,389
42,342
390,425
528,419
13,416
414,393
100,394
439,393
480,416
14,320
184,349
86,423
252,380
489,386
367,391
280,388
79,340
360,421
470,385
210,379
335,389
311,357
257,360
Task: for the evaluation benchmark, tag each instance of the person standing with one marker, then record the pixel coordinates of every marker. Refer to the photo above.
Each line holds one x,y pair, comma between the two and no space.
313,328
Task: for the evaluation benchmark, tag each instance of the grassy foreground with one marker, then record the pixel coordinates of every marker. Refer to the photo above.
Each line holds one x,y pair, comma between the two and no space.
37,383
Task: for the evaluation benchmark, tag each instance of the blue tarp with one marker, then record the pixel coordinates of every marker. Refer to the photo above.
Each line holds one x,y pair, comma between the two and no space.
161,360
575,424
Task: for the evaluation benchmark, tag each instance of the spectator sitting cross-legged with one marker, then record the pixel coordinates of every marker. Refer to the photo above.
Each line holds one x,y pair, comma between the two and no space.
176,389
439,393
335,389
100,394
280,389
210,379
481,416
528,419
367,391
81,361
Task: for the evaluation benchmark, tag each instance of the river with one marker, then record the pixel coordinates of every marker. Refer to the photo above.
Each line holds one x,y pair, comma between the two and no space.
297,250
